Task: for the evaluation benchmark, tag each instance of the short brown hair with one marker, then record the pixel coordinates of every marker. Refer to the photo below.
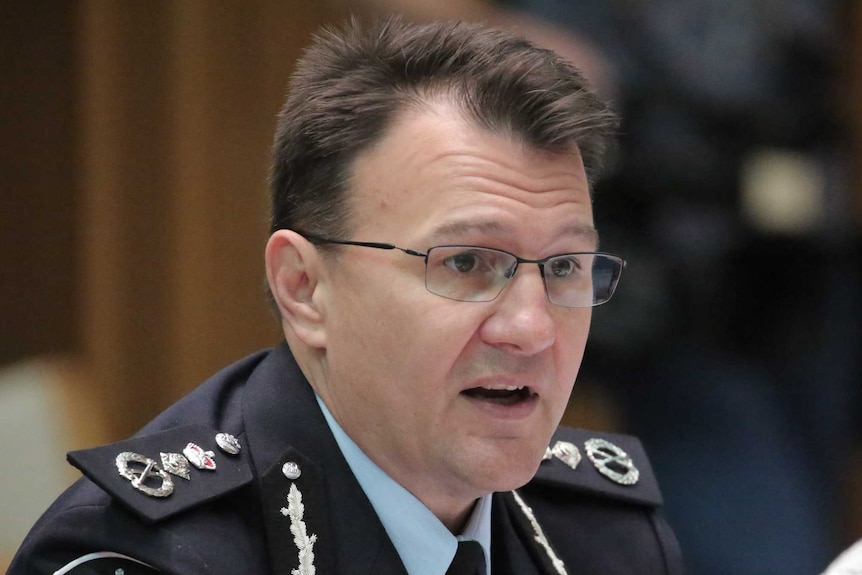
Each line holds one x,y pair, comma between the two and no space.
351,83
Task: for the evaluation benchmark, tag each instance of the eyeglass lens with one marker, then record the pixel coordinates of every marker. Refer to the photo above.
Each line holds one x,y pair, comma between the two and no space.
468,273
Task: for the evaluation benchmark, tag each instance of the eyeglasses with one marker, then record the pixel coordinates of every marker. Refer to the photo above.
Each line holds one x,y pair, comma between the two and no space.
478,274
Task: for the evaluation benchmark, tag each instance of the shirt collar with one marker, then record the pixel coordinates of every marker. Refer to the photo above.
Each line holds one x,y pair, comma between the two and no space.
425,545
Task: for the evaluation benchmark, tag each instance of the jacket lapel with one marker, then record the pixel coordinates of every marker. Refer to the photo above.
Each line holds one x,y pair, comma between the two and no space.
327,507
511,553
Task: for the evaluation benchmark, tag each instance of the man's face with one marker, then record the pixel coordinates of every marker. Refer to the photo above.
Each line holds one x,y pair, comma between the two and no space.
422,383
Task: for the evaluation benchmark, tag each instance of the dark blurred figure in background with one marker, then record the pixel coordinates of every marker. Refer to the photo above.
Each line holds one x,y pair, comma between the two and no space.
732,165
736,359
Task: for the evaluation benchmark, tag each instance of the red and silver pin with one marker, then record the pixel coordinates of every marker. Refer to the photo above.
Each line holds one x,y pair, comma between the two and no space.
200,458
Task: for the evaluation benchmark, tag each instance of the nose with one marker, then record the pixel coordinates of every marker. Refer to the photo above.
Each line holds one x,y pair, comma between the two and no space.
521,322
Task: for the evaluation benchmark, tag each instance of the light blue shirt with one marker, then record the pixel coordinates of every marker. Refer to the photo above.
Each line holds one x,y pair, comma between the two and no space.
425,545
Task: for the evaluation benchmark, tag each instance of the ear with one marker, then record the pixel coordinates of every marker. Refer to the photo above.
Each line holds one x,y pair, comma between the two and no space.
293,272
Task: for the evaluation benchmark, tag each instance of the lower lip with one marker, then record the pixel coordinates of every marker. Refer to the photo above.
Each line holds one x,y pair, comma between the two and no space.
520,410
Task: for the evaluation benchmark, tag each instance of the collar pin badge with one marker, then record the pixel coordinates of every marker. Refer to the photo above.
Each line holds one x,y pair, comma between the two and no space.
138,477
612,462
200,458
567,452
228,443
291,470
176,464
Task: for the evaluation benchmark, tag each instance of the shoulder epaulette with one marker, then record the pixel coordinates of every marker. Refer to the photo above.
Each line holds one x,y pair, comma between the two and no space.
159,475
605,464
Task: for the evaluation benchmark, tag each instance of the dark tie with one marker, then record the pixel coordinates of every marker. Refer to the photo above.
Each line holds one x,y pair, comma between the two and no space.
469,559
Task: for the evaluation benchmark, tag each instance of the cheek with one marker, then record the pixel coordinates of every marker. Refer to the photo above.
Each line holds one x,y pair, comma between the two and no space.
433,340
571,342
404,334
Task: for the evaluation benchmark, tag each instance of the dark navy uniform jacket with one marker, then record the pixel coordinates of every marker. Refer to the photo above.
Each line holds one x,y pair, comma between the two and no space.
234,520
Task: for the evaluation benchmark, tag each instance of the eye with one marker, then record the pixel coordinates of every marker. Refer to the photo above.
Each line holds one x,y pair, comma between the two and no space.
564,266
463,262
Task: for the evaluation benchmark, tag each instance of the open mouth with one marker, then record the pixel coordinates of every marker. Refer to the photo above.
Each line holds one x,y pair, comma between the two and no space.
503,396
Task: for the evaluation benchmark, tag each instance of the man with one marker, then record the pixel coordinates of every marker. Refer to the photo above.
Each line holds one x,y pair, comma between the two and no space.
433,260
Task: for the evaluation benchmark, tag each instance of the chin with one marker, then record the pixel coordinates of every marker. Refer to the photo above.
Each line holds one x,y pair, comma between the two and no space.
507,477
505,465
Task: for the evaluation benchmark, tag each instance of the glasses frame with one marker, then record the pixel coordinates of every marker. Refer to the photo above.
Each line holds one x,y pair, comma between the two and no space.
321,240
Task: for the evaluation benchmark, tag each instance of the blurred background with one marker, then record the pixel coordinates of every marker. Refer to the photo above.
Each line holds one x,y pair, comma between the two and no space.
134,159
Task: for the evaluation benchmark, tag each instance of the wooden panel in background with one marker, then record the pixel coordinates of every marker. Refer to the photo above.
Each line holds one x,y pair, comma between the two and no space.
178,107
38,184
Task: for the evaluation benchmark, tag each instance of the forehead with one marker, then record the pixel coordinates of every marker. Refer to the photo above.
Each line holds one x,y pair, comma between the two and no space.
435,175
455,228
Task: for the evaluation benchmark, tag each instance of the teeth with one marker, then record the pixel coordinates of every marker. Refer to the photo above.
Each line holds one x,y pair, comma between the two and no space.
505,388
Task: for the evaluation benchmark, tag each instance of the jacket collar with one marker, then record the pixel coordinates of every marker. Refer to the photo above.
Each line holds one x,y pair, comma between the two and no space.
284,425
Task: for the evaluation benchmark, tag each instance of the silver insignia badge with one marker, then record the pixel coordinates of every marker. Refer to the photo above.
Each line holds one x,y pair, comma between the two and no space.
539,537
612,462
567,452
176,464
138,477
304,542
548,454
291,470
200,458
228,443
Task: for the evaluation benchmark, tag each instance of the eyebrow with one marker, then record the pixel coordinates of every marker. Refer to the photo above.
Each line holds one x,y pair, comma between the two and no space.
492,228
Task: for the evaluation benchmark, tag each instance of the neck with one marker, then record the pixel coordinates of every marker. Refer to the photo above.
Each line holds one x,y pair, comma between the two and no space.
454,522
